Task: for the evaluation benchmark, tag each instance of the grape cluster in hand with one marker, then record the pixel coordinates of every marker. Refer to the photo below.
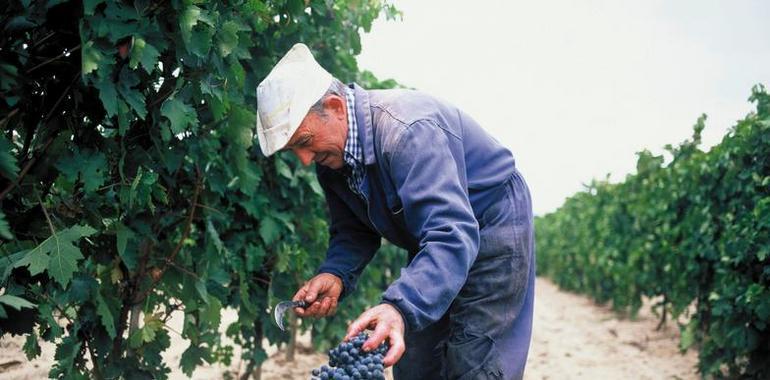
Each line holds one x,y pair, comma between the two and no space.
348,361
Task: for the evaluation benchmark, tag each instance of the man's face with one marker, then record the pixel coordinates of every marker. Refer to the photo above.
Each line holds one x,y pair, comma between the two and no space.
321,138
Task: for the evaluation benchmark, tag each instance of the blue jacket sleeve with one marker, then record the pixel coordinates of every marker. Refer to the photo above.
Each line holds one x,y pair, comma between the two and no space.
428,171
352,244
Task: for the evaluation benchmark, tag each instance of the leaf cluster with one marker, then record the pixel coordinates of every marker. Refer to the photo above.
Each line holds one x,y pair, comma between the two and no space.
131,184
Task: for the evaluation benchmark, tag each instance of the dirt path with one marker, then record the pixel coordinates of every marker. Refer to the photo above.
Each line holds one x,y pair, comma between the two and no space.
573,339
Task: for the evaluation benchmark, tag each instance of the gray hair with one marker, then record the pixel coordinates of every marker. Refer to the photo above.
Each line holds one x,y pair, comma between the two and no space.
336,88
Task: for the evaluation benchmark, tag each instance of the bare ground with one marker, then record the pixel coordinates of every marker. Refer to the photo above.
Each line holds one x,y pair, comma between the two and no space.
573,338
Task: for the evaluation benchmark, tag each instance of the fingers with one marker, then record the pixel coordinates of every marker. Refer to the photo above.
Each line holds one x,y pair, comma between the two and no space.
380,333
321,293
300,295
333,306
360,324
313,310
326,306
314,287
397,349
302,312
388,324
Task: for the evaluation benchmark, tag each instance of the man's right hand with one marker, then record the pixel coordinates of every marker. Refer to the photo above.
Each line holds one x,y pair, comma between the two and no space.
322,293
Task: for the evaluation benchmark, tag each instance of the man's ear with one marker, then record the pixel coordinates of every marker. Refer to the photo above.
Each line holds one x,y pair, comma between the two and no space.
335,105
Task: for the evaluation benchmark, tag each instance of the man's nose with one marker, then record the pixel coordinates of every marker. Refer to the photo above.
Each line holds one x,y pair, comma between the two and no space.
305,156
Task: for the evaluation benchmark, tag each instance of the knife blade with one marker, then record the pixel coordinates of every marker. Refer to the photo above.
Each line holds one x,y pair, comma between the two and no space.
280,309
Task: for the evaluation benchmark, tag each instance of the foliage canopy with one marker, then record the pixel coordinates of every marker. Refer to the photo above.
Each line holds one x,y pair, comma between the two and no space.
131,186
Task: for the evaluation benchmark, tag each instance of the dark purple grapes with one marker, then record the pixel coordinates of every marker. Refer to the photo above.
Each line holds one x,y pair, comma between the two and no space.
348,361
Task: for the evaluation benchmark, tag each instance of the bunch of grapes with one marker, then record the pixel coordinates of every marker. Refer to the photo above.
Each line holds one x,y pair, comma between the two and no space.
348,361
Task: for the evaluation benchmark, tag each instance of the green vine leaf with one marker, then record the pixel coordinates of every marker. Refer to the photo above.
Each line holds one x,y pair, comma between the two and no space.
88,167
90,5
145,54
5,229
15,302
269,230
228,37
105,315
9,168
192,357
57,255
179,114
108,95
133,96
128,255
187,20
67,353
91,58
31,346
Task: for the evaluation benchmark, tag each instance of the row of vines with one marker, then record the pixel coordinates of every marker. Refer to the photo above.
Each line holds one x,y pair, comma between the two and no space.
131,186
691,231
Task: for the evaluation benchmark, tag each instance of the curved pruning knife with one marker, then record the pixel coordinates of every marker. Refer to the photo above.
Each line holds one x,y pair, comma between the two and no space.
280,309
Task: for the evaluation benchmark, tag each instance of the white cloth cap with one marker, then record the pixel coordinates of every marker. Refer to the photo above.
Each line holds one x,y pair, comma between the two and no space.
284,97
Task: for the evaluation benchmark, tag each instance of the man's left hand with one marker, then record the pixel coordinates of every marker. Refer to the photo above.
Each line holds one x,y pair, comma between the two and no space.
387,323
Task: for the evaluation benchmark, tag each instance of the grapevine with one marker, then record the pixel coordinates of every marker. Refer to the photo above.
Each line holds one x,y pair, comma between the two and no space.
691,231
132,187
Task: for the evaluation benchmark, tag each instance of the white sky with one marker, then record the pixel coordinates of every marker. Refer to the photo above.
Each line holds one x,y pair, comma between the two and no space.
576,88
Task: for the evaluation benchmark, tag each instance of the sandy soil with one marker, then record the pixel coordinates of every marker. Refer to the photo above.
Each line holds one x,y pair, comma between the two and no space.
573,339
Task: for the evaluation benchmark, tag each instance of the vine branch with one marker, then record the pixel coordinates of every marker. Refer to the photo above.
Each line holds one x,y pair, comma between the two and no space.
45,212
8,117
76,48
188,226
97,370
28,165
63,94
25,169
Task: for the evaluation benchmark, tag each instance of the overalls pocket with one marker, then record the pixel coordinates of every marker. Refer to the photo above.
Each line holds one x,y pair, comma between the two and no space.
471,355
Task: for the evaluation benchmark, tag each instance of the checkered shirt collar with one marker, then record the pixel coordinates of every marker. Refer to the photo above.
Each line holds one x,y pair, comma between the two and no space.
354,154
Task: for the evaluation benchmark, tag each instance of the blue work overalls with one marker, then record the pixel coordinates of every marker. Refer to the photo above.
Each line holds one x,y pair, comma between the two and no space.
439,186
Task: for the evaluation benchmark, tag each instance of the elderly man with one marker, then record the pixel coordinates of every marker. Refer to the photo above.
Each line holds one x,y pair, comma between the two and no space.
417,171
